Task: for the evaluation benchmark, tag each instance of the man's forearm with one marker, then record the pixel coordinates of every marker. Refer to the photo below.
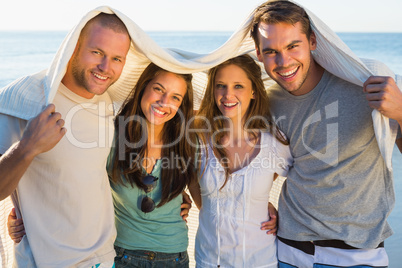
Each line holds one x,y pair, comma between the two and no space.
398,141
399,144
41,134
195,192
13,164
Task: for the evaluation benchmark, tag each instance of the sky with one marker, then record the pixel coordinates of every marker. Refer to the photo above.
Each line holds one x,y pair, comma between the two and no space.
197,15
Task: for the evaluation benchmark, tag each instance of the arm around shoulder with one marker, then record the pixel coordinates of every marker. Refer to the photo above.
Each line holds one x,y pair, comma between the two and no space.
195,192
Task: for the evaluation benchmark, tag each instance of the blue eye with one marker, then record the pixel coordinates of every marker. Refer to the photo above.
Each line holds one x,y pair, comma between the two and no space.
220,86
238,86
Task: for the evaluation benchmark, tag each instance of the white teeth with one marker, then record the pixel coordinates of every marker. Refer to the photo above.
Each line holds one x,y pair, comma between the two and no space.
289,73
230,104
100,76
157,111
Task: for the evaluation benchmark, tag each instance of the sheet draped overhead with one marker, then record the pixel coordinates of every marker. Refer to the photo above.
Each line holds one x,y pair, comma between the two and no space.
26,97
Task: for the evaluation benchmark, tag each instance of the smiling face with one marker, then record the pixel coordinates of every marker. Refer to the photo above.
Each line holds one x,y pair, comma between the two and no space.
286,53
162,97
233,92
97,62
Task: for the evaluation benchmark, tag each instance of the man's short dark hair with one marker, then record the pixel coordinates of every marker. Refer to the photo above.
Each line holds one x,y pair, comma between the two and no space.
277,11
109,21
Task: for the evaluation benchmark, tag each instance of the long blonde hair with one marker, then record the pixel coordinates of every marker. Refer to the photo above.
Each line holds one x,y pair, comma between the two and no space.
258,109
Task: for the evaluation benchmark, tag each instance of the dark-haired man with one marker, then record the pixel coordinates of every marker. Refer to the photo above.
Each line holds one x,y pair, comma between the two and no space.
335,201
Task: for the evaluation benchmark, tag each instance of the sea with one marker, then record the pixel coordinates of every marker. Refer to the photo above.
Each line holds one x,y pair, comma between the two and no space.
23,53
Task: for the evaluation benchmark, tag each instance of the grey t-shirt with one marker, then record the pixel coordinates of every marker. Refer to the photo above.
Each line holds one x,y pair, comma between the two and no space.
339,186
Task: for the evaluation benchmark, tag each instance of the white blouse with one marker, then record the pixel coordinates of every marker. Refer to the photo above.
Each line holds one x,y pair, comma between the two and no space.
230,219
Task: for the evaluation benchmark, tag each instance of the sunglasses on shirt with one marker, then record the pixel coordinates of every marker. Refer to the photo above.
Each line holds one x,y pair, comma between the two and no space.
147,204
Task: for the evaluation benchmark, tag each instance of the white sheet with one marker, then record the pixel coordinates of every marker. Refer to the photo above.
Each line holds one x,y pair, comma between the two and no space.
331,53
26,97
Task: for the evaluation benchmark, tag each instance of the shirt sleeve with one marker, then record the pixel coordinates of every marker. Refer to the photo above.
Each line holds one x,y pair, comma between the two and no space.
283,158
201,159
11,129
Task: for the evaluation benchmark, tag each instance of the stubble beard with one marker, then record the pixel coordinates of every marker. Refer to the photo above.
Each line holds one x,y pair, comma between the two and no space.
81,80
79,76
303,80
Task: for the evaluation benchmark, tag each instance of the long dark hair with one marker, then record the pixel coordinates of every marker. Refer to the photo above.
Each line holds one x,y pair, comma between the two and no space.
258,109
131,140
